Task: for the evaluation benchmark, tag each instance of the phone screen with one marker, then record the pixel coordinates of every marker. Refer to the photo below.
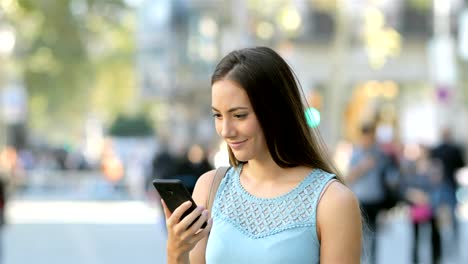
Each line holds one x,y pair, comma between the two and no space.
174,193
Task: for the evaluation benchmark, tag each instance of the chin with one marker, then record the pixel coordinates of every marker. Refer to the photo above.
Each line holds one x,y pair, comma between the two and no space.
242,157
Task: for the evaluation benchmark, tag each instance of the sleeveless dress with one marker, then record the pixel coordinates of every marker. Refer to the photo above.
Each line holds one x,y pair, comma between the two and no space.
249,229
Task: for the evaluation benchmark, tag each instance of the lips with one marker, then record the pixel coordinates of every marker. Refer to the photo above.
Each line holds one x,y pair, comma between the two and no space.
237,145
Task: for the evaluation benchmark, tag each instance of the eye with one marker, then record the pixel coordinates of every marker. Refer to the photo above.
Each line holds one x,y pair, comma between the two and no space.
216,115
240,116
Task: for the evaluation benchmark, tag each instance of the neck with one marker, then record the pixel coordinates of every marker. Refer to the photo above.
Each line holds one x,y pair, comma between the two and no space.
266,170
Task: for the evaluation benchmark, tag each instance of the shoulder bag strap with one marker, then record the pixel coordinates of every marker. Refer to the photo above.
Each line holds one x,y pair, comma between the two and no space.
219,175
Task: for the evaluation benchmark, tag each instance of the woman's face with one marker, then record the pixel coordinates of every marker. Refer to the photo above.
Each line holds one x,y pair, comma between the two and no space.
236,122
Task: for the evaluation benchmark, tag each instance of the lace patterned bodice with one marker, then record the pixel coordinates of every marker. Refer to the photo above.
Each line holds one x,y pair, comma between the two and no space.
260,217
249,229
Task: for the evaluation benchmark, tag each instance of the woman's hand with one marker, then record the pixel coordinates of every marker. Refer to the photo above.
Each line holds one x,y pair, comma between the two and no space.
182,238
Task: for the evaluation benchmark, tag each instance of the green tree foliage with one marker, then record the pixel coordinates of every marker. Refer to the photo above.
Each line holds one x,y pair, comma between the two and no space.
76,58
138,125
423,5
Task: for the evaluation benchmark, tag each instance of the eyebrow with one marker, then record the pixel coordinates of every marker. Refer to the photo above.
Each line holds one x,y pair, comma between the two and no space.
232,109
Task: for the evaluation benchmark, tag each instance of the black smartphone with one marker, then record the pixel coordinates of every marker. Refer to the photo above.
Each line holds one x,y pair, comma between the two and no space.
174,193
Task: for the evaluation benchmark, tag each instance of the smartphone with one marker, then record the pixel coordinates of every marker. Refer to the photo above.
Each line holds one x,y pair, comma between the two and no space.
174,193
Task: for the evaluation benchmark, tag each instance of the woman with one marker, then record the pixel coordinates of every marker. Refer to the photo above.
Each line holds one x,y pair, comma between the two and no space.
422,192
280,201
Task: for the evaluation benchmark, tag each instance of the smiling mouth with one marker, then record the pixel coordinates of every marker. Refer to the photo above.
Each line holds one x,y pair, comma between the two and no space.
236,144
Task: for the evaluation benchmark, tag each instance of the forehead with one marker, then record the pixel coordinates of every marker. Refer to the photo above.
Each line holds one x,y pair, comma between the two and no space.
228,94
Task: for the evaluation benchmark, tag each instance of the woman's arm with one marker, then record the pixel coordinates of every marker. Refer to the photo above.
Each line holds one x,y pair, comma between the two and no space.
182,238
339,226
200,196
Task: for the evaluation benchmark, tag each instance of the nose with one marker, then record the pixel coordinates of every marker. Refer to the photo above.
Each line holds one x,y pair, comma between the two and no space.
227,129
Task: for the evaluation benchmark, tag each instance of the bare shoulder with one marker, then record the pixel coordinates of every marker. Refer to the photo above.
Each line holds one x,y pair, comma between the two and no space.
202,187
205,179
337,202
338,197
339,225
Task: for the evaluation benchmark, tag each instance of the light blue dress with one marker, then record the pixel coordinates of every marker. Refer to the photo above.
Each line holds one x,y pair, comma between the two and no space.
248,229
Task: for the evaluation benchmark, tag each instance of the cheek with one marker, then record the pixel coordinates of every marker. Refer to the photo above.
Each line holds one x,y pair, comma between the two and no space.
252,129
218,127
259,134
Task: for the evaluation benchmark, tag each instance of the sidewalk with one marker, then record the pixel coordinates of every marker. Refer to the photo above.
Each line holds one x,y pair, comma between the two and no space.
83,232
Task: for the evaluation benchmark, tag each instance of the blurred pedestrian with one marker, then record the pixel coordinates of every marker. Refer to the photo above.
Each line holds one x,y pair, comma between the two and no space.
198,158
366,175
163,166
11,169
163,163
3,201
8,168
451,156
281,201
190,166
422,191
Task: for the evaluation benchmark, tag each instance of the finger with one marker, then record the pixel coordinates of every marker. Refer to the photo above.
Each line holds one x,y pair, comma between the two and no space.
167,213
198,224
205,231
179,211
190,218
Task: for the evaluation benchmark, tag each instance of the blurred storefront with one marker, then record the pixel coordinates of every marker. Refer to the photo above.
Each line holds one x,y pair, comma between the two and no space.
364,59
177,51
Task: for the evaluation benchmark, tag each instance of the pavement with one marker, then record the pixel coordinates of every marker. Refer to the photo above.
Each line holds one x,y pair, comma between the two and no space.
49,232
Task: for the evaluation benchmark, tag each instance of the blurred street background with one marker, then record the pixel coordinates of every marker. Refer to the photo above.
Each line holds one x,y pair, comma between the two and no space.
99,97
